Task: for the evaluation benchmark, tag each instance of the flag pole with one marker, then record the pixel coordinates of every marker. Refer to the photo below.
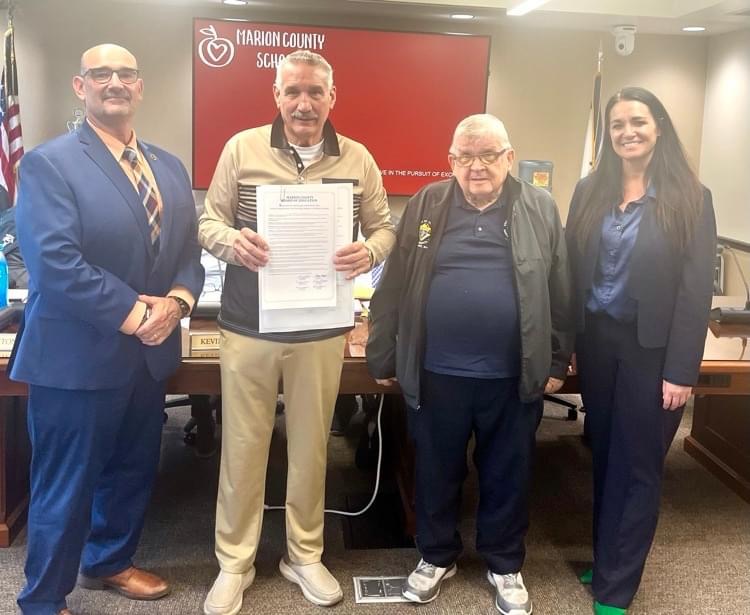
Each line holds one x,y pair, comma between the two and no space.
11,138
594,130
11,13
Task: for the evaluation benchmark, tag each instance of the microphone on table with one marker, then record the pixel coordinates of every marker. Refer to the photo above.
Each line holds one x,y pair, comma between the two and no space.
729,315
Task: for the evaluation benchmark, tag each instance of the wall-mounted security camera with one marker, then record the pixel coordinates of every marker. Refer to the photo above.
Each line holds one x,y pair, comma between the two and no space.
624,39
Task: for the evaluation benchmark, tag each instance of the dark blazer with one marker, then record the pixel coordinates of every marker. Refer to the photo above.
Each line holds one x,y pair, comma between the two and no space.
673,288
84,236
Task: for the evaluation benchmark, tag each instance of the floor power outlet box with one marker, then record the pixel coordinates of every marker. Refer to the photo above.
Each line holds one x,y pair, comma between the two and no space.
378,589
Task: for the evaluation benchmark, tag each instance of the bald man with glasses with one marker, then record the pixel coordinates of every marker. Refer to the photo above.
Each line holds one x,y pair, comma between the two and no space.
108,230
471,316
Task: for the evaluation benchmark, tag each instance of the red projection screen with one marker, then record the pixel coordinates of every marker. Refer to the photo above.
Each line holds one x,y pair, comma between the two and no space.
401,94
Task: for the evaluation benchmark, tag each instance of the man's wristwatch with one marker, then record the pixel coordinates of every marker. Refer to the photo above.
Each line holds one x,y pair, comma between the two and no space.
146,316
183,305
371,255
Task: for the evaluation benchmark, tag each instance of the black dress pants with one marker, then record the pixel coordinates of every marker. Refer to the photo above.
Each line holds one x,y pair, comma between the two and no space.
452,409
630,433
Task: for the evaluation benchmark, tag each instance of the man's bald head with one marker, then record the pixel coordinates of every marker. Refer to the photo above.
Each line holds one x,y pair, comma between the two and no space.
100,54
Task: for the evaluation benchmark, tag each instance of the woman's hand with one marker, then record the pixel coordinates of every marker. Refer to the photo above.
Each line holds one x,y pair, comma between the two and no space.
674,396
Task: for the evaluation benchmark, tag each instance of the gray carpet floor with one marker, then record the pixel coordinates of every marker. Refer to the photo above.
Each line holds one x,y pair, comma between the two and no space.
700,561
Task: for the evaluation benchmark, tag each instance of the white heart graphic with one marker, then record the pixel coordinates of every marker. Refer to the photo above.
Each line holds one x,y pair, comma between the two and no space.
217,50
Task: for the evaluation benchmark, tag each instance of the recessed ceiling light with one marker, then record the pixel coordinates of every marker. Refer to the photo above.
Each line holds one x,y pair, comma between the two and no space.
461,16
693,29
236,2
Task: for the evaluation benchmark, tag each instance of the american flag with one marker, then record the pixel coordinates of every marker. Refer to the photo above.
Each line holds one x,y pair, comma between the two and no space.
11,141
594,128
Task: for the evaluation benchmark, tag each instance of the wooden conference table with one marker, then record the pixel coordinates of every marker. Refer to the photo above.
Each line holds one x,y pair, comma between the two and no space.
720,436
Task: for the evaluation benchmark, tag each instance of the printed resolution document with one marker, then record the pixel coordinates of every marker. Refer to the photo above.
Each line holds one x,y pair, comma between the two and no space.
304,224
299,226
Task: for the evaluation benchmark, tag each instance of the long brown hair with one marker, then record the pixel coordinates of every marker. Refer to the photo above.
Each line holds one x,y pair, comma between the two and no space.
679,194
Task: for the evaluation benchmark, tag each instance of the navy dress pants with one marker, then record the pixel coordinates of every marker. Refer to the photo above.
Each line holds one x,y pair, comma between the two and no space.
452,409
94,459
630,433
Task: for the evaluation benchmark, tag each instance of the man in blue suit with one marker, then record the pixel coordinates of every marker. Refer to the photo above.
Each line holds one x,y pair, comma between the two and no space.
106,224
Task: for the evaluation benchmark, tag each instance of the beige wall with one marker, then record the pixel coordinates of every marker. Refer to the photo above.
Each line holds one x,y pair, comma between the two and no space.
541,85
540,81
725,148
725,153
733,284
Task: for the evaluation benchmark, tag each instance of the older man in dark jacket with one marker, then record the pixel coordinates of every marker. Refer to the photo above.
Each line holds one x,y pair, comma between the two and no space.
472,316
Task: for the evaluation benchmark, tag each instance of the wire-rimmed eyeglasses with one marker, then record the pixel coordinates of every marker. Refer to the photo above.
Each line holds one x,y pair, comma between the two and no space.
486,158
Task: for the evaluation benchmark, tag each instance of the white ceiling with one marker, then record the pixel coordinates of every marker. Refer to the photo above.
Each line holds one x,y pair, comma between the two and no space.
649,16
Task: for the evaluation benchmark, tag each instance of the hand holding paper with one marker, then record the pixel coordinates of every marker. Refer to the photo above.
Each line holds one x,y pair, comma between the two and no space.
353,258
250,249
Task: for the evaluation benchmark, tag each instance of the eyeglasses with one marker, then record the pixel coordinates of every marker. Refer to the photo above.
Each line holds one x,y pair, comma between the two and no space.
486,158
104,74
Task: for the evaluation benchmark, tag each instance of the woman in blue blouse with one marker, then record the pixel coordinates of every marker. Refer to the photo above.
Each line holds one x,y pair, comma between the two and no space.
641,238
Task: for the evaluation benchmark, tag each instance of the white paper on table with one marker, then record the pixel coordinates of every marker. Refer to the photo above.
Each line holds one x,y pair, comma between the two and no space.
342,313
213,283
298,222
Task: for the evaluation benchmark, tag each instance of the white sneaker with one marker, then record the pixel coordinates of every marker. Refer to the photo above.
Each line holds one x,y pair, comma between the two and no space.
423,584
511,597
318,585
225,596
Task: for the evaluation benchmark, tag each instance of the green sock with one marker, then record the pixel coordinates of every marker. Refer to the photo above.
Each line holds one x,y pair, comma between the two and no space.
587,577
605,609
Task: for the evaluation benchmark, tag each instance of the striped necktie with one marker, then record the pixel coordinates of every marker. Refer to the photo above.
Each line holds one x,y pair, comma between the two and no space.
146,192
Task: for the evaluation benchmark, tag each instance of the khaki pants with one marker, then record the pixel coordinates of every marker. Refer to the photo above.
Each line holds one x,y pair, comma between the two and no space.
251,369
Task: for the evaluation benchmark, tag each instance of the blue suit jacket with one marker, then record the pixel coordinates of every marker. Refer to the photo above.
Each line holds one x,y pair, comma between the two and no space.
84,236
673,288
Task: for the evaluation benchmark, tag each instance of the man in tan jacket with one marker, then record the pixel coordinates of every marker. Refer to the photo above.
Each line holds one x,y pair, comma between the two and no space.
301,146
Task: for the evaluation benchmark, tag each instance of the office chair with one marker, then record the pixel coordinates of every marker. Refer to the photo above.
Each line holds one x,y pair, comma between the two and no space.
572,408
201,427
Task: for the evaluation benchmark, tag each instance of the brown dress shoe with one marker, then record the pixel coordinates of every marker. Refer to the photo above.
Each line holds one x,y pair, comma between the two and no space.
65,612
132,583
